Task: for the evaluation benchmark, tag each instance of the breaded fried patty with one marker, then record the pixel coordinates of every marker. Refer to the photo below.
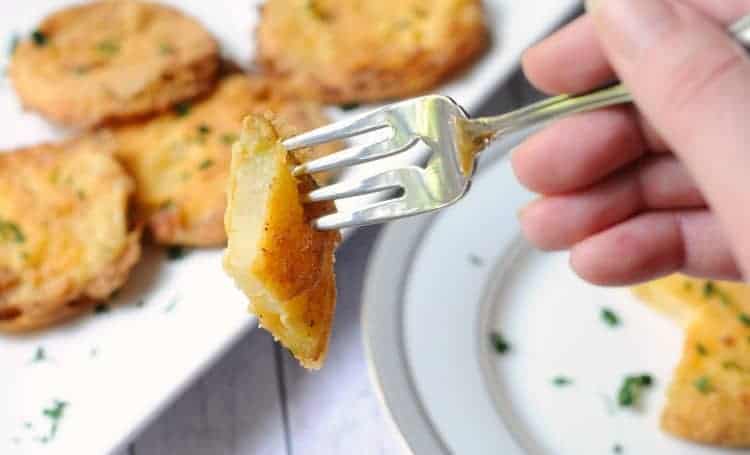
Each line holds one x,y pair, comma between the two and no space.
65,236
180,160
274,254
709,398
111,60
358,50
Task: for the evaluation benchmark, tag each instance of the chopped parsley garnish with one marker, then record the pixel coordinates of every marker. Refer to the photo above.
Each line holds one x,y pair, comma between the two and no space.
703,384
562,381
229,138
701,349
176,252
166,49
745,319
205,164
101,308
499,343
168,204
204,129
140,303
40,355
349,106
39,38
182,109
10,232
687,286
709,288
476,260
172,304
610,317
108,47
617,448
55,414
81,195
14,40
316,11
631,389
731,365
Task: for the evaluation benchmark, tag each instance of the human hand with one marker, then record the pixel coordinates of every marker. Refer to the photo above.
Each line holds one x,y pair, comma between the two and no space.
639,194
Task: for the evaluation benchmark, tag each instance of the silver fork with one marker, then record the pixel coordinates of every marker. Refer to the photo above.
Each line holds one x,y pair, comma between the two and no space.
454,140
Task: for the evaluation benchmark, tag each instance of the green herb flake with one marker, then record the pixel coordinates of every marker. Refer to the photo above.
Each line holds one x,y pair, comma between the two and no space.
40,355
81,195
55,414
166,49
203,129
499,343
140,304
703,384
14,40
316,11
610,317
562,381
687,286
182,109
168,204
39,38
475,260
701,348
176,252
745,319
94,352
205,164
349,106
709,288
228,138
10,232
632,388
108,47
101,308
731,365
617,448
172,304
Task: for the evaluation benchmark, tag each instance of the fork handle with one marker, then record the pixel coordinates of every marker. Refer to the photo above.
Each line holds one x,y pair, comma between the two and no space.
485,128
546,110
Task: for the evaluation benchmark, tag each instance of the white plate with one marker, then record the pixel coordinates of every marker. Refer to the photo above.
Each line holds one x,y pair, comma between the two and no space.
118,370
439,285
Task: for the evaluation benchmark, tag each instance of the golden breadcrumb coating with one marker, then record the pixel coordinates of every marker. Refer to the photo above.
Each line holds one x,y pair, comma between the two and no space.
66,240
110,60
275,256
358,50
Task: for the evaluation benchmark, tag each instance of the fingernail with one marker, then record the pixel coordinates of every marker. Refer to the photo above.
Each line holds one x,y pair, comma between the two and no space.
591,5
519,212
632,25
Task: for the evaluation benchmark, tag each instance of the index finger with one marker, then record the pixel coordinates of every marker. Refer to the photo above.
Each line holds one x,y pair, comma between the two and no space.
572,61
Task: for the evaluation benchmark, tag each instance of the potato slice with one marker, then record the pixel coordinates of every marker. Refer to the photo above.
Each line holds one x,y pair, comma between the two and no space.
275,256
709,398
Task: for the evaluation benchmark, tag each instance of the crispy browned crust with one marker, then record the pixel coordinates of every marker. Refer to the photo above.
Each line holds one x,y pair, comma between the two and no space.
717,348
181,197
343,52
112,60
288,271
70,202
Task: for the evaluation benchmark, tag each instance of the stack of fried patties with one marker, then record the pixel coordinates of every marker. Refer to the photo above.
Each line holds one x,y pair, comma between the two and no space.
153,112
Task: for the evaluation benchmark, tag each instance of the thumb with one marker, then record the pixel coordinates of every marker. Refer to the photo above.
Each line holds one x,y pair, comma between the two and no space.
692,83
